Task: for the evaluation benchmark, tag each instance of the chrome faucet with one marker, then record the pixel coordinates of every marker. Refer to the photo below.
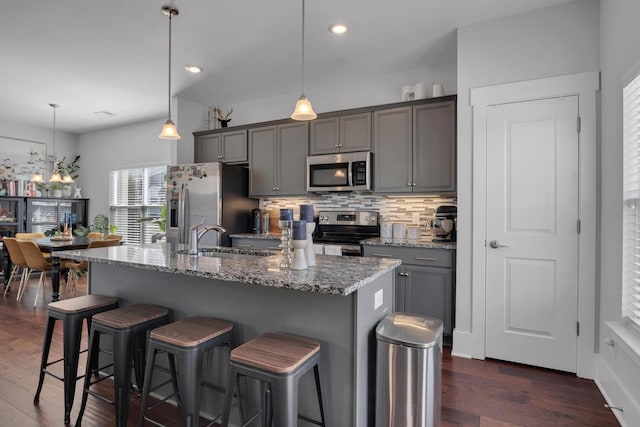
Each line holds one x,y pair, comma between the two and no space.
197,231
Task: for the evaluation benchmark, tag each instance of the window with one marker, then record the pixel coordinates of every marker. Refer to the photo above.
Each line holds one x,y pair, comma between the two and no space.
631,200
134,194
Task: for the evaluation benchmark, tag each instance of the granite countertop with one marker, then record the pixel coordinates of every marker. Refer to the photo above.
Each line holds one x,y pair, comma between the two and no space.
332,274
405,243
259,236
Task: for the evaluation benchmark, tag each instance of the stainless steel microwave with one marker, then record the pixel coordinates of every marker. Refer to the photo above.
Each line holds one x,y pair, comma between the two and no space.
339,172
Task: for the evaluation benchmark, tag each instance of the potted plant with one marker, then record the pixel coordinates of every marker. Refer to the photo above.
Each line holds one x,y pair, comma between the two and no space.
72,168
56,189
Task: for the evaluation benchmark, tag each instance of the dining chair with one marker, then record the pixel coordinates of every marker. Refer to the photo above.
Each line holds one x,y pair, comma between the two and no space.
18,261
36,262
77,266
114,237
29,235
94,235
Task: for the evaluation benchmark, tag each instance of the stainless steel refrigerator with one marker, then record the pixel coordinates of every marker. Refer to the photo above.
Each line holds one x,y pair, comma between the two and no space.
216,191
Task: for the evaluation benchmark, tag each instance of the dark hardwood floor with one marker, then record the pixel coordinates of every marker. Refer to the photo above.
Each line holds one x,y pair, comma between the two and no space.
474,393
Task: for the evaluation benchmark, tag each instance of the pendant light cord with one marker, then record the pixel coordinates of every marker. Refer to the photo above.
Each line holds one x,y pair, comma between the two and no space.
170,19
303,47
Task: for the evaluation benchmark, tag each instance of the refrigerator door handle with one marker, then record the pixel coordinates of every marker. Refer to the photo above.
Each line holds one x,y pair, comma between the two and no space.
183,215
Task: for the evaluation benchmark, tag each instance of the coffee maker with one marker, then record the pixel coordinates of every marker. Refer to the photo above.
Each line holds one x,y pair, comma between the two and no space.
256,221
444,226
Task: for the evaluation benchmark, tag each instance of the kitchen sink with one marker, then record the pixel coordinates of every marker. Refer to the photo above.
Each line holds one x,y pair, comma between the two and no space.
228,253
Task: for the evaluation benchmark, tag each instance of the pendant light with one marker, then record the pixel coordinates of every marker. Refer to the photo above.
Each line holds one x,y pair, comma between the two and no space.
169,130
55,176
303,110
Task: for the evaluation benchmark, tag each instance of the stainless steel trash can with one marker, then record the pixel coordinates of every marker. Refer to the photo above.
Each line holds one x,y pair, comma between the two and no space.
409,378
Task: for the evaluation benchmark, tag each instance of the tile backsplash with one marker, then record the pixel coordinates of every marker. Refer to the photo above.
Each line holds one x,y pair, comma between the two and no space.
410,210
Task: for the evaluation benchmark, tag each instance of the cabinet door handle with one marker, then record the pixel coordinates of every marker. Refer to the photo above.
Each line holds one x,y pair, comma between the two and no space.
382,255
413,184
424,258
408,184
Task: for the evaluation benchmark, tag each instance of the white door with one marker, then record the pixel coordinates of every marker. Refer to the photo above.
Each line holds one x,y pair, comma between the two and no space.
532,235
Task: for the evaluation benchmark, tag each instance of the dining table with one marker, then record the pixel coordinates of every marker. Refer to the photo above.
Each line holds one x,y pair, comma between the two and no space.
53,244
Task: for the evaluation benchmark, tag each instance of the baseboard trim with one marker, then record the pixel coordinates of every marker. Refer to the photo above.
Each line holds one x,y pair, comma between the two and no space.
462,344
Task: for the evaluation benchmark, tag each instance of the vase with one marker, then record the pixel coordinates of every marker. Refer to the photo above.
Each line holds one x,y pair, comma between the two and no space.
224,123
56,194
66,191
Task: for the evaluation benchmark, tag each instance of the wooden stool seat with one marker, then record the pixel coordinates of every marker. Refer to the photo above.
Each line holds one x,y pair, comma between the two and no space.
275,352
83,303
130,315
191,331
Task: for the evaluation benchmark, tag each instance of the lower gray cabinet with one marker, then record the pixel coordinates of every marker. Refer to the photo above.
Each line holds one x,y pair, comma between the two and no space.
427,292
424,282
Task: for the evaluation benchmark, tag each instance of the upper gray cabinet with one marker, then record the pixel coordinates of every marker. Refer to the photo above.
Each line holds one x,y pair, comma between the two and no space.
277,160
225,147
415,148
340,134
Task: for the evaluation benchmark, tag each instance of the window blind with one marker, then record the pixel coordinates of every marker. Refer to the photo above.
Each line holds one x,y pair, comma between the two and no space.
631,203
134,194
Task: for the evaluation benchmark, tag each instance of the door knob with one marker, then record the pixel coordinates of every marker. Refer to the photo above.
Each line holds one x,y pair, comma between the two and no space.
495,244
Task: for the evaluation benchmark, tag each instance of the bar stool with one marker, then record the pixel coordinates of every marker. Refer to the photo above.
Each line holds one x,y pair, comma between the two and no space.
279,360
72,312
187,340
128,327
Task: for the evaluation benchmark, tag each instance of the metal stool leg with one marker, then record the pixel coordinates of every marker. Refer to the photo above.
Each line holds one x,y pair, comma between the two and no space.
285,401
148,378
92,355
72,331
316,374
122,356
228,396
48,336
189,374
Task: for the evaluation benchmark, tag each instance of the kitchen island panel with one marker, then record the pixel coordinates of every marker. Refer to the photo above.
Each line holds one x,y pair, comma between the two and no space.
344,325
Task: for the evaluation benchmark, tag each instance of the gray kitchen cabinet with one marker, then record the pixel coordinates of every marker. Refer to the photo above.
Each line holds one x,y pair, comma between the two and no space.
345,133
424,281
261,244
393,150
226,147
434,147
277,160
415,148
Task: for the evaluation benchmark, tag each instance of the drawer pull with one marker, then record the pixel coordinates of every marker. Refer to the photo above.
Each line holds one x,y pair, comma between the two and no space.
382,255
244,246
275,248
423,258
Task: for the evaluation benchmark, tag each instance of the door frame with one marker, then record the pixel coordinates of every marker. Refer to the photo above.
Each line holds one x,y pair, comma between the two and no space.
585,86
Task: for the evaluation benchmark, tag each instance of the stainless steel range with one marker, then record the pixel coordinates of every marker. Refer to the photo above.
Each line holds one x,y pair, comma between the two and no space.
347,229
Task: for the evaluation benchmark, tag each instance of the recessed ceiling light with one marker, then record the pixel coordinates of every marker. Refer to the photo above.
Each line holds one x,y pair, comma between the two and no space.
338,28
195,69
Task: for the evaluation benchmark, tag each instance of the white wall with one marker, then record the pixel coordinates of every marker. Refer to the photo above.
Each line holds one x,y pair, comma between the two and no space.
118,148
66,143
544,43
191,117
380,89
620,50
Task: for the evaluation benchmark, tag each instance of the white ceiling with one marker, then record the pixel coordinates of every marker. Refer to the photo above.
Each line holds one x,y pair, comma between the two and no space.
91,55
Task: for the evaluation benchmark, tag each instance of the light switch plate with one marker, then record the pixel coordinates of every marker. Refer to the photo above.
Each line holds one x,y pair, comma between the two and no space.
377,299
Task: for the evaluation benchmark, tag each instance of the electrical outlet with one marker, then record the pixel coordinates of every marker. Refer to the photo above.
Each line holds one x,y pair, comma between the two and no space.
377,299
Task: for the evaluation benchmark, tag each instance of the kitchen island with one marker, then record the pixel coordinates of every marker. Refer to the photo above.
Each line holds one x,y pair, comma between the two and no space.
338,303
